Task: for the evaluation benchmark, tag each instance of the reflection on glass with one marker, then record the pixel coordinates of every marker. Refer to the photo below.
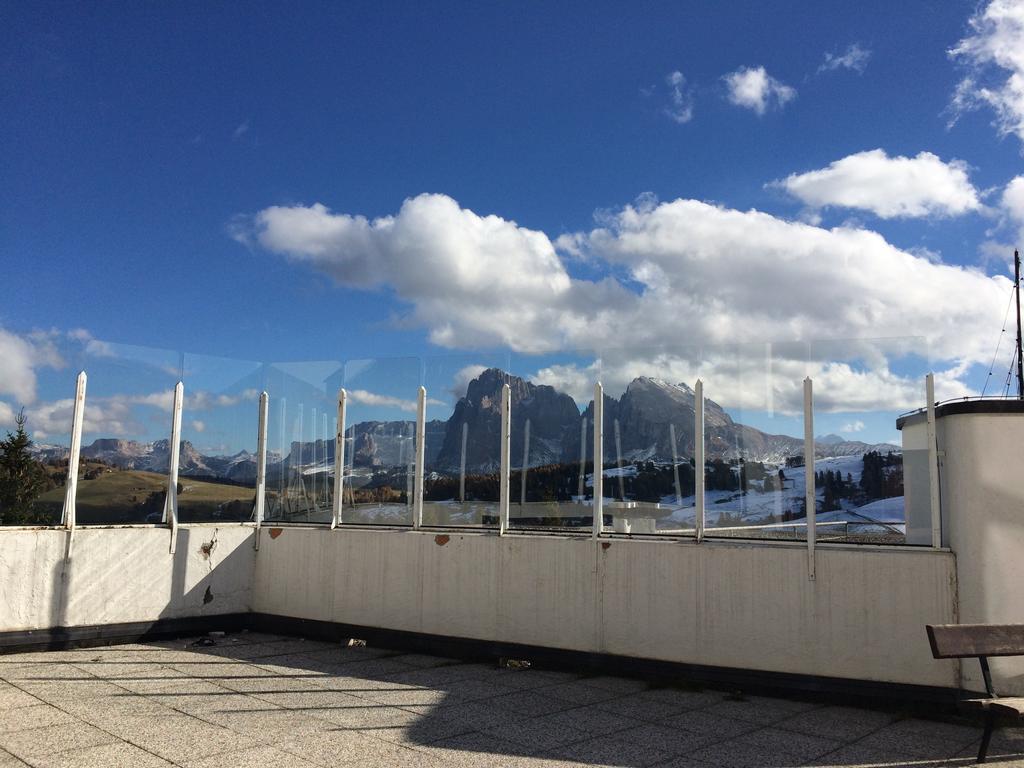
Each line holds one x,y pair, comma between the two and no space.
126,432
463,439
551,469
302,423
217,463
380,440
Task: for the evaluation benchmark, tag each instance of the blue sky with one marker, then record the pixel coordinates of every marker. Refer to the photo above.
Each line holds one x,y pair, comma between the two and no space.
160,165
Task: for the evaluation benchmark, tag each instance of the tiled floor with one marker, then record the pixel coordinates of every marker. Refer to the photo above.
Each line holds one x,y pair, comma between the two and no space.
256,700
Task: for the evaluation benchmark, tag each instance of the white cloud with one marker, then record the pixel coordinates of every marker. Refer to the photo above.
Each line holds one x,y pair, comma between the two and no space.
364,397
697,275
7,415
854,57
753,88
853,426
994,57
198,426
889,187
21,356
681,107
241,130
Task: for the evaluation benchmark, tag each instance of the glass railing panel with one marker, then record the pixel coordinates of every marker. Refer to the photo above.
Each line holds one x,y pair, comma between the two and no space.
219,436
860,389
126,435
648,440
463,456
380,440
551,458
301,429
37,385
754,427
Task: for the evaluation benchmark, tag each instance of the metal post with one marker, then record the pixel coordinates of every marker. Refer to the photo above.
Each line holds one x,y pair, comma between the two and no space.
261,467
675,462
68,515
598,459
526,463
339,461
462,463
506,447
618,461
809,492
170,515
698,458
933,463
581,491
421,450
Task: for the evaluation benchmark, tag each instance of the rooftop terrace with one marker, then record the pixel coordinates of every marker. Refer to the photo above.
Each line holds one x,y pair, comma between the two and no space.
254,699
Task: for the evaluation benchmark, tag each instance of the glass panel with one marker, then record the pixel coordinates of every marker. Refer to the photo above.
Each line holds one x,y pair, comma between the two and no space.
552,406
126,432
648,441
860,388
302,423
47,405
754,418
380,444
219,425
463,456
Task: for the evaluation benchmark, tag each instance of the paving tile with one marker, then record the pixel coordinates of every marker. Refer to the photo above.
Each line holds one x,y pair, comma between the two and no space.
53,738
685,697
423,661
734,754
178,737
530,703
35,716
703,721
672,740
539,733
374,719
12,698
476,749
203,704
56,670
7,760
921,738
476,690
642,706
612,751
255,757
617,684
271,726
333,747
312,698
105,709
774,741
578,692
593,720
111,755
843,723
759,709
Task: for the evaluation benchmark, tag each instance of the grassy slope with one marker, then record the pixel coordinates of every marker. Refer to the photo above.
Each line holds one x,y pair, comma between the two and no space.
121,497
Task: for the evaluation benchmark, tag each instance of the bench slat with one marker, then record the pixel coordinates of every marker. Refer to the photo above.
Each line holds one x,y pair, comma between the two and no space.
951,641
1011,705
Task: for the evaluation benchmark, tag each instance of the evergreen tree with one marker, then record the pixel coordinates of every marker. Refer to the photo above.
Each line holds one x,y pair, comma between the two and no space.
22,478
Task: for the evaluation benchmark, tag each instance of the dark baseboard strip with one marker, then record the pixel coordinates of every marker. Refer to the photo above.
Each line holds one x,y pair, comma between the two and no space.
63,638
833,690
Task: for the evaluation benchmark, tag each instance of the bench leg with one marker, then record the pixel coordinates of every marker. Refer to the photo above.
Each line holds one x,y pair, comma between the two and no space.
990,724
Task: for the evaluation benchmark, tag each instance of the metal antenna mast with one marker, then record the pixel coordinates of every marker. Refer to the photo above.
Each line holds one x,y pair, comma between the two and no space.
1020,361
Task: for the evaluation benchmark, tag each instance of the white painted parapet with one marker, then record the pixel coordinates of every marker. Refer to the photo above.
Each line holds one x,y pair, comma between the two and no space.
718,603
122,575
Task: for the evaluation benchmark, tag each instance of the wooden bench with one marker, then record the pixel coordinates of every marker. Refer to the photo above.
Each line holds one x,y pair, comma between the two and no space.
958,641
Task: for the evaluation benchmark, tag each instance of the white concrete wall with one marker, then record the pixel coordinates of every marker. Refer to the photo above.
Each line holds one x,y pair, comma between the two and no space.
114,575
982,485
743,605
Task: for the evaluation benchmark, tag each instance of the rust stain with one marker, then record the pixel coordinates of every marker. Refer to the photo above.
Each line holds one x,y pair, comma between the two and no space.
605,544
206,549
441,539
275,532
